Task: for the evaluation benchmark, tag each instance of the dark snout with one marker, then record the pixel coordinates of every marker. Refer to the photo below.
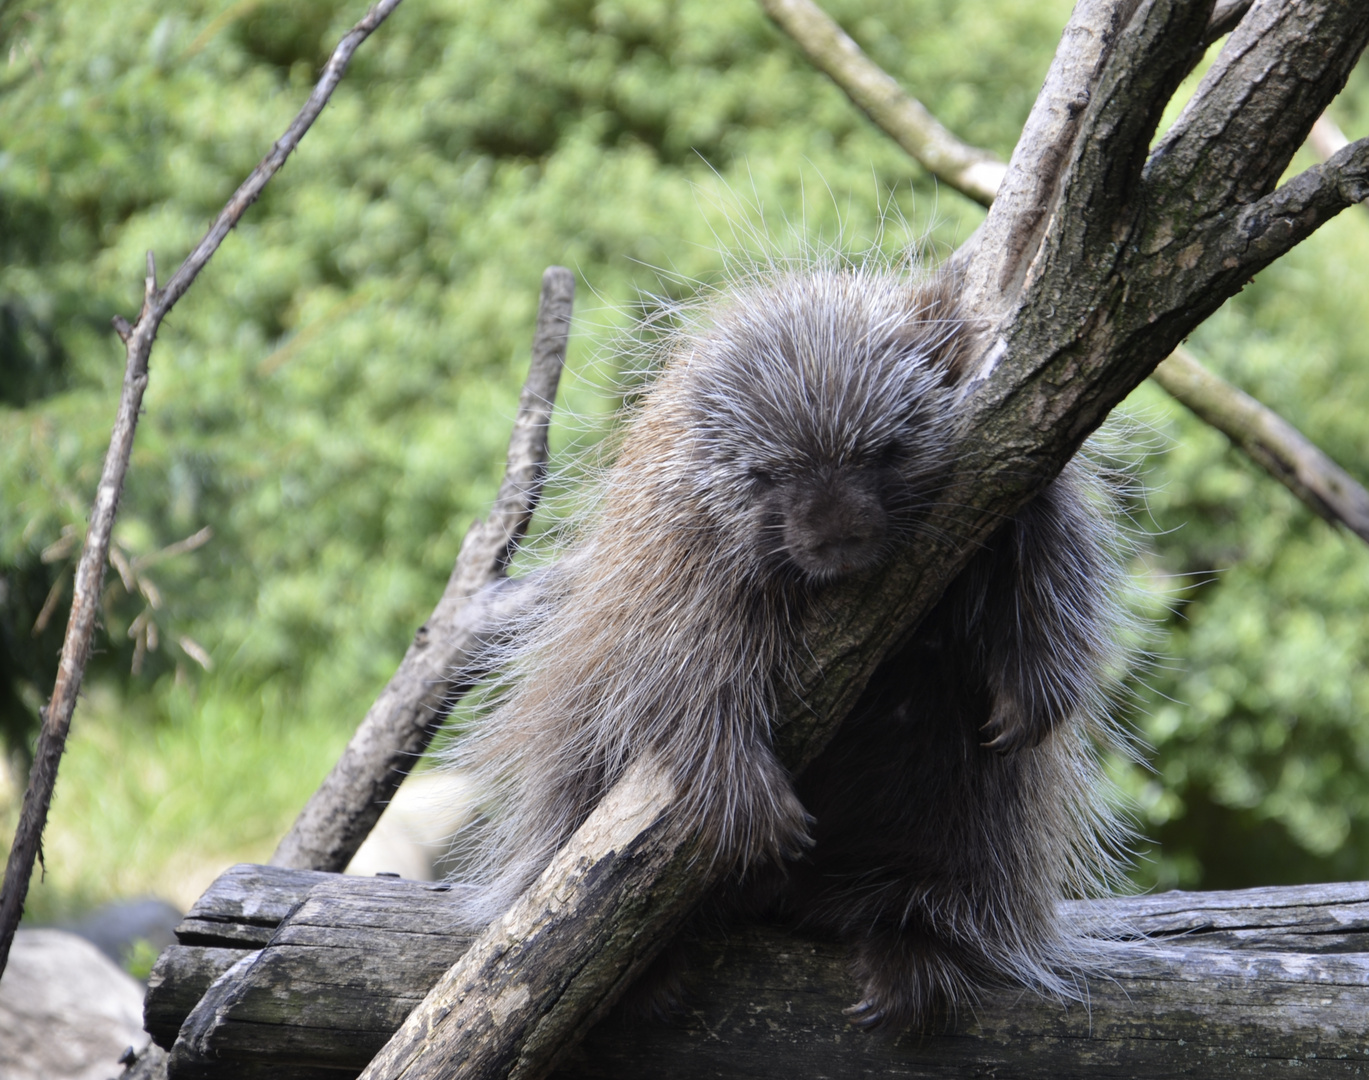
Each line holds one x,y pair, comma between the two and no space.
836,523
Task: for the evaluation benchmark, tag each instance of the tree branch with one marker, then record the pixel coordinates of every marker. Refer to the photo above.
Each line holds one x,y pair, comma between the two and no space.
1193,268
1275,224
536,980
1252,110
1068,115
1244,980
1098,284
445,651
138,340
973,172
1271,442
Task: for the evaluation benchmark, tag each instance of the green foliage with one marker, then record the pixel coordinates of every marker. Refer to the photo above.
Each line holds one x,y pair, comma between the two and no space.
139,959
1258,707
332,398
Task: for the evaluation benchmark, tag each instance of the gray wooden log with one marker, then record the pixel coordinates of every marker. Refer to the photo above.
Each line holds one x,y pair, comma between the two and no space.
1221,984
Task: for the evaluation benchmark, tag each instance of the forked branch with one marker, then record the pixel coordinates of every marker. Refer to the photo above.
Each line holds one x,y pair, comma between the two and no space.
1269,440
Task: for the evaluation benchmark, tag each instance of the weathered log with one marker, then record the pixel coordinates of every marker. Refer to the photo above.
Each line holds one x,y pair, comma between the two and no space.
1222,984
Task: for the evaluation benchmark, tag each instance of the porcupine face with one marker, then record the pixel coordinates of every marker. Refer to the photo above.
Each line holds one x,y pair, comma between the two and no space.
823,419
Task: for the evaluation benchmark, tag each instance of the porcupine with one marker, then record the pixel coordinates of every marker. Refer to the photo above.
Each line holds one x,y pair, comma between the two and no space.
799,429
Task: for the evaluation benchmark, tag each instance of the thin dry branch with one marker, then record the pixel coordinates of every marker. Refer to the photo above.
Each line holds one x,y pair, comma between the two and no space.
408,712
1270,441
973,172
90,570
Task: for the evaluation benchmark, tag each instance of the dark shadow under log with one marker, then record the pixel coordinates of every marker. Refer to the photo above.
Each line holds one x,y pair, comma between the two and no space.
295,974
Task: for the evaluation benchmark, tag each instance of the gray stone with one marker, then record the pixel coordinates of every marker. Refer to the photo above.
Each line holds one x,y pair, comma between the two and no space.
115,928
66,1010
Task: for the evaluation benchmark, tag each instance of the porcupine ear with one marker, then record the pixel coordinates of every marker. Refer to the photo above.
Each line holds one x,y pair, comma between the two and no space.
938,326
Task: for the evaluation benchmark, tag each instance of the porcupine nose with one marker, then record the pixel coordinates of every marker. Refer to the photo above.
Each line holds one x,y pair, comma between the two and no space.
836,526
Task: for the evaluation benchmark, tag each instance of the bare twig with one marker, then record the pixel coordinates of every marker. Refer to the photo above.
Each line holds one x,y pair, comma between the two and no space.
973,172
85,604
1271,442
408,712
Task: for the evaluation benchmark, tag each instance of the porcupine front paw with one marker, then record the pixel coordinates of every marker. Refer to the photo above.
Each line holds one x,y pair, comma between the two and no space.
1011,726
792,838
751,816
781,823
770,824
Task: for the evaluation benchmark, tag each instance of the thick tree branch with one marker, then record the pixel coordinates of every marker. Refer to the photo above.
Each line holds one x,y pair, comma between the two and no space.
1098,284
138,340
1233,140
1112,92
1327,140
1271,442
445,651
1243,980
535,981
1089,109
1193,273
1272,226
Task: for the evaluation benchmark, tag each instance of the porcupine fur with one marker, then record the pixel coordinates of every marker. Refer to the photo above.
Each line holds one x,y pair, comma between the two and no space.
798,431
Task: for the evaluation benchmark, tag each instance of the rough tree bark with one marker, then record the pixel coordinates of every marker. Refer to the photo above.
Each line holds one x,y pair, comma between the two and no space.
1268,439
1097,258
1257,982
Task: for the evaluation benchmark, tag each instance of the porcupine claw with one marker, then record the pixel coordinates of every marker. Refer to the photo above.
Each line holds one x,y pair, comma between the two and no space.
1008,728
866,1014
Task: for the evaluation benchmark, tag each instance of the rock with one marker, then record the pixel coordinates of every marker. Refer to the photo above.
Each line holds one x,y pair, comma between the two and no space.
67,1012
116,927
415,832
